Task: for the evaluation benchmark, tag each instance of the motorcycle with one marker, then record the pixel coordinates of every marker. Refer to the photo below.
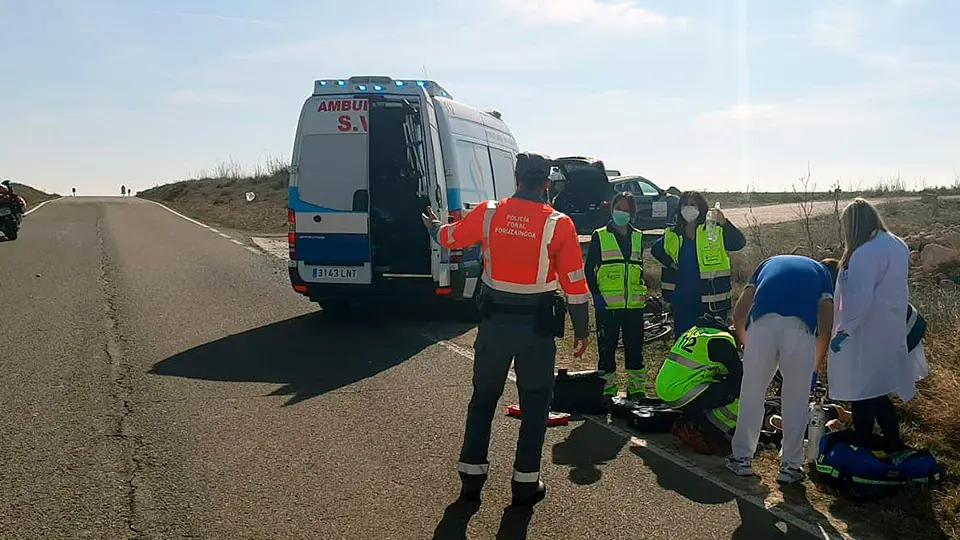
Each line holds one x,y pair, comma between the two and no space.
11,211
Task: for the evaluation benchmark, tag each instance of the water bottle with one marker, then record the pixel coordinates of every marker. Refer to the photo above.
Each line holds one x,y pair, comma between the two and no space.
815,431
712,222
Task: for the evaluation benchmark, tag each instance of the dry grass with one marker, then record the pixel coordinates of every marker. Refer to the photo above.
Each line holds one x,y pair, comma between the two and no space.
218,198
31,195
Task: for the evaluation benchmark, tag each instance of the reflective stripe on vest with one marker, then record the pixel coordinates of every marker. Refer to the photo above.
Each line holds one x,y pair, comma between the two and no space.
621,281
688,370
725,417
714,265
541,285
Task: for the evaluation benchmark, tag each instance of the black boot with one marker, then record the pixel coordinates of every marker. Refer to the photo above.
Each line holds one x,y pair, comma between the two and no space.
528,493
471,486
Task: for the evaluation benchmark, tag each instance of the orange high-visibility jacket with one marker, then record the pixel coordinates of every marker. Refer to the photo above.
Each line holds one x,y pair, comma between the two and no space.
527,247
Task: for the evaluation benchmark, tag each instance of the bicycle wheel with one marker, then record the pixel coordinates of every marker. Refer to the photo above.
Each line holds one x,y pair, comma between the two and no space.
659,331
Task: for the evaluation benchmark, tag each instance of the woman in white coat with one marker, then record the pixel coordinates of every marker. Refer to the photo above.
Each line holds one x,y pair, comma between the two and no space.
868,357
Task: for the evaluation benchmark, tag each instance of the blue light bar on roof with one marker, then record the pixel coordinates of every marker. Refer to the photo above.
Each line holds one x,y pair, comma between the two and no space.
400,83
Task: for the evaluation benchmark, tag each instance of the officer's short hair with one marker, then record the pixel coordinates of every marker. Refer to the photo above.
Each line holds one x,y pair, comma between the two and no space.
532,170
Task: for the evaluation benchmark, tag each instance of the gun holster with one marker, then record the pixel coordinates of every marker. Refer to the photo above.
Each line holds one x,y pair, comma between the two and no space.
551,316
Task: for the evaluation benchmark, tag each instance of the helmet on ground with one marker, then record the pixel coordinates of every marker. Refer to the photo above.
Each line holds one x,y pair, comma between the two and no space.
709,320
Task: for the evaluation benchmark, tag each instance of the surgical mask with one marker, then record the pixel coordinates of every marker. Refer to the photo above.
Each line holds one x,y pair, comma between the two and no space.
620,218
690,213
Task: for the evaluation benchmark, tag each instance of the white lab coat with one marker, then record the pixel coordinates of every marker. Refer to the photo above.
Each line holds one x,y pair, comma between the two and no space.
870,305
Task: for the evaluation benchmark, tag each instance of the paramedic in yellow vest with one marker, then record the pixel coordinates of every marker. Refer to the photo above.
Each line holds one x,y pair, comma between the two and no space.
701,377
614,268
695,278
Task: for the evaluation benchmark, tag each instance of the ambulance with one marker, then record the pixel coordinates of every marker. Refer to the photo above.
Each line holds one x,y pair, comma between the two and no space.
370,154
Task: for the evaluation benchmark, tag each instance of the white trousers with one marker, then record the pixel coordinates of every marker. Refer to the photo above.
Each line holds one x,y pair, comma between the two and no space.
775,341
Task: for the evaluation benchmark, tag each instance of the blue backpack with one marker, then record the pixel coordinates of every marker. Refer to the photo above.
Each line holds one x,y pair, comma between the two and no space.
860,474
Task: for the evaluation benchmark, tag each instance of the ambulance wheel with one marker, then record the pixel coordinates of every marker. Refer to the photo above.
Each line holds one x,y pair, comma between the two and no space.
335,308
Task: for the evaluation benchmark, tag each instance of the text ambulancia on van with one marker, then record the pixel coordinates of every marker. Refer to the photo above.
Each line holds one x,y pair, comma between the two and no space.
370,154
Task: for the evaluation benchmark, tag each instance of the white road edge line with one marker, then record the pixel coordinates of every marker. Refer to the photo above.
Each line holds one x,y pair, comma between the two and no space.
253,250
815,529
195,222
39,206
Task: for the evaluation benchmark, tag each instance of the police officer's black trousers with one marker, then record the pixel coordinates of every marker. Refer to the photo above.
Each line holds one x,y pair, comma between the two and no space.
501,339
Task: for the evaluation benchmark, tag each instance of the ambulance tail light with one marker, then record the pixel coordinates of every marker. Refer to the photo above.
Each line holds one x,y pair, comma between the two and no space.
292,233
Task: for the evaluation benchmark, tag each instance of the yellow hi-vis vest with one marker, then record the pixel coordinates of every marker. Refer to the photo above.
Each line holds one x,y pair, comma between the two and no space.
714,263
688,370
621,281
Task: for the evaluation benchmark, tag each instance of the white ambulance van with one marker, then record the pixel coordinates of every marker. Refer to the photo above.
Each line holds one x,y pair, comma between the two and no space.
370,154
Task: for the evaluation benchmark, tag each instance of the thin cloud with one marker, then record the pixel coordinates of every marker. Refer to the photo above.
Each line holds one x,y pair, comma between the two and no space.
192,96
837,27
212,16
594,14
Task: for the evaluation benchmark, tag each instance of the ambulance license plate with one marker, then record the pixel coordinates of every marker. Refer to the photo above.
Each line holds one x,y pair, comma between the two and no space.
336,273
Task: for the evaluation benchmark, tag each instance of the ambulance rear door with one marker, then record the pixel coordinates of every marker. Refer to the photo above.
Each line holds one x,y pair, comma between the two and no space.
436,189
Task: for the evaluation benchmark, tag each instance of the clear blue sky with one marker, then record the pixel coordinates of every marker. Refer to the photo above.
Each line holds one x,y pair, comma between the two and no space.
701,94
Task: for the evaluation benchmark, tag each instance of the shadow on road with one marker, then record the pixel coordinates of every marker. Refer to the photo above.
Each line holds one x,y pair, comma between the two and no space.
310,355
456,518
586,448
755,522
515,523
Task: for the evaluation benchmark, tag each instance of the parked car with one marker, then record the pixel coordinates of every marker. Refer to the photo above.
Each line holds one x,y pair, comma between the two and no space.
656,207
580,188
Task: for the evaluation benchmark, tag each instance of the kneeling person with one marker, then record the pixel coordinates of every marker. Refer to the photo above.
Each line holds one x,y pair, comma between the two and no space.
701,377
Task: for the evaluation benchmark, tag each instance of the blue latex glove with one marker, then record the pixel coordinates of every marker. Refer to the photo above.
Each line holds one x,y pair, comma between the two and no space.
813,382
599,303
837,340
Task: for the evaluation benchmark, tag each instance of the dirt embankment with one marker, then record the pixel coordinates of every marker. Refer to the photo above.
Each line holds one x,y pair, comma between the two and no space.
223,201
32,196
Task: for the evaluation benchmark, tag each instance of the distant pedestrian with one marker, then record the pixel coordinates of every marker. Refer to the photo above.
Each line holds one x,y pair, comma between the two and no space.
123,191
74,190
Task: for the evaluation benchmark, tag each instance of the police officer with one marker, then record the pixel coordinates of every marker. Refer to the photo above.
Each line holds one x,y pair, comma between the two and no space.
529,249
701,377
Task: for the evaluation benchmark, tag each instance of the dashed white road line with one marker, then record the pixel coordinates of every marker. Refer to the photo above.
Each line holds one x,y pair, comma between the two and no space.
815,529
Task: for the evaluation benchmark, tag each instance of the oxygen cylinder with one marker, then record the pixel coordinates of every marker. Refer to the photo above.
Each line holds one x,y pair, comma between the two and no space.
815,429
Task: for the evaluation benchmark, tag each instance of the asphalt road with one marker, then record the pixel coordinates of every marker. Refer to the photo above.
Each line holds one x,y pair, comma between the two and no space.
163,382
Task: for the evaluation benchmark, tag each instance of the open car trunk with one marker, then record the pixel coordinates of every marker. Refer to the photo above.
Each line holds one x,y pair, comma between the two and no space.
583,193
398,188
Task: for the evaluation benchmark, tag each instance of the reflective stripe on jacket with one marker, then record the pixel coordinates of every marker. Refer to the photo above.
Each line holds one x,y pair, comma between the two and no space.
688,370
714,263
528,247
725,418
621,281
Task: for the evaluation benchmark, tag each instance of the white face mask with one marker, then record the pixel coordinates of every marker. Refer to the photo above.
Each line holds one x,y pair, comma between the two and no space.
690,213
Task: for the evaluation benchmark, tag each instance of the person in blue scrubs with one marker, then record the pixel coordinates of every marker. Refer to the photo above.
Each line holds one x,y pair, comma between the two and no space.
687,297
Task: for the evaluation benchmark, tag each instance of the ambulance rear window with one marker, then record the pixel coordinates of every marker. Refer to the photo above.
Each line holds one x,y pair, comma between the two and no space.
332,168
